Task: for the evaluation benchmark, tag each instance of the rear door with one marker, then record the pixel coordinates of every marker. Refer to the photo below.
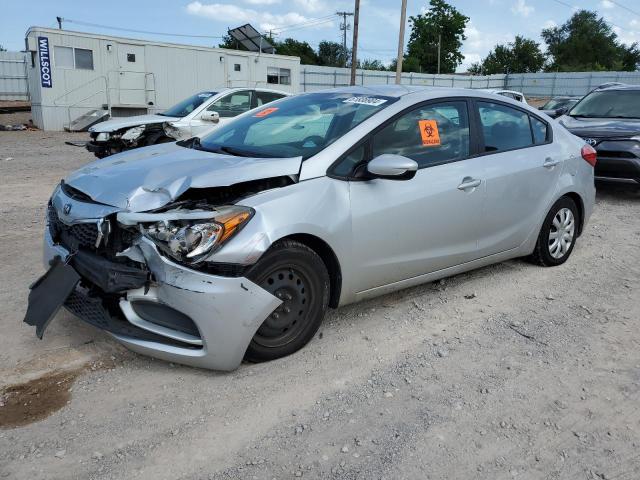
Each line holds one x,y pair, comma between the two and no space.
405,228
521,166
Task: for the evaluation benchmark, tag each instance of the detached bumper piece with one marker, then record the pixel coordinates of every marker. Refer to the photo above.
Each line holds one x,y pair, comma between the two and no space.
110,277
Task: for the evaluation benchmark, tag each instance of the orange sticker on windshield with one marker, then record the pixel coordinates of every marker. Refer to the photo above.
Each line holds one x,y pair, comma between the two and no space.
429,133
265,112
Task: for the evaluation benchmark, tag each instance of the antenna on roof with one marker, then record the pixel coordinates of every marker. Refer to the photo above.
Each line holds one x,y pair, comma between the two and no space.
59,19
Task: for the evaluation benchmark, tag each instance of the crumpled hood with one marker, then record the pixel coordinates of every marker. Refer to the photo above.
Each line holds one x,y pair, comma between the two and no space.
125,122
600,127
149,178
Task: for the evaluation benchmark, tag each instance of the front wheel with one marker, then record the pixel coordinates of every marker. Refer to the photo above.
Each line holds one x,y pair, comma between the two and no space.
558,234
295,274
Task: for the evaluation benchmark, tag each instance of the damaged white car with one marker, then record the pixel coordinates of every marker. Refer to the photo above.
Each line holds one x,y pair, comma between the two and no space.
194,116
205,252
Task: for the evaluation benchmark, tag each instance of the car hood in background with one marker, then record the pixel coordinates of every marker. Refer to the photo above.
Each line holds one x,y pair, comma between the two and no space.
149,178
600,127
125,122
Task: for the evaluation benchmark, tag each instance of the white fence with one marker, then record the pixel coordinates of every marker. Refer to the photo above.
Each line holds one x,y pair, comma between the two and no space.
531,84
13,76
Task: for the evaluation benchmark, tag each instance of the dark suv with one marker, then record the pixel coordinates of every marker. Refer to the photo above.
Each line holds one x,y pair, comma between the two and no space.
608,119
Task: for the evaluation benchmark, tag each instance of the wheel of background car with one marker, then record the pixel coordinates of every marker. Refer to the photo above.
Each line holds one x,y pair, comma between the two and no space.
297,275
558,234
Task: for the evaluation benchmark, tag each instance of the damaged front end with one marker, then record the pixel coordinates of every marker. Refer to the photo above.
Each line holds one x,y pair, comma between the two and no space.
147,277
103,144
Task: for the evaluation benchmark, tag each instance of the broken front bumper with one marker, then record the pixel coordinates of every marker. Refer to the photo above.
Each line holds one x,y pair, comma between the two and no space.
184,316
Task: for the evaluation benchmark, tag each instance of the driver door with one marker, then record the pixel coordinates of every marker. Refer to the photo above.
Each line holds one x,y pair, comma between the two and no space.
228,106
406,228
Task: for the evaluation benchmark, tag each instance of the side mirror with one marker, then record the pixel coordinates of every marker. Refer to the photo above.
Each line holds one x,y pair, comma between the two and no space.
561,111
210,116
392,167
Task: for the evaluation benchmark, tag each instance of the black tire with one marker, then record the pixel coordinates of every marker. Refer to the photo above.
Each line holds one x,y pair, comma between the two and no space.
296,274
542,254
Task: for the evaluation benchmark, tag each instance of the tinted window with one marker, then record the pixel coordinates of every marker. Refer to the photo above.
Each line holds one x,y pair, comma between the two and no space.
297,126
266,97
430,135
539,130
504,128
188,105
232,105
84,59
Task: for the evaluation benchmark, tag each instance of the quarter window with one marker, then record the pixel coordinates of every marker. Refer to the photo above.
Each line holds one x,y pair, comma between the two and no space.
504,128
430,135
539,129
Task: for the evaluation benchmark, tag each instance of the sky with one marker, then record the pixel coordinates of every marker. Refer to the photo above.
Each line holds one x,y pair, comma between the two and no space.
492,21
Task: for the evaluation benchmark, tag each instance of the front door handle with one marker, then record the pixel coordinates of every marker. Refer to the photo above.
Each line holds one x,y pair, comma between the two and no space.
550,162
468,183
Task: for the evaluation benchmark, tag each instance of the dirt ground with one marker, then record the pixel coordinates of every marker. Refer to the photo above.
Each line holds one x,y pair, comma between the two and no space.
510,371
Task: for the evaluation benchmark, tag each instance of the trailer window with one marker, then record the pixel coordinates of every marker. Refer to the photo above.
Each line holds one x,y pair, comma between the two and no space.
63,56
78,58
84,59
279,76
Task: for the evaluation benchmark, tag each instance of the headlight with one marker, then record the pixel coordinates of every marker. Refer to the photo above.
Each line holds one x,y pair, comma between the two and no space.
102,137
133,133
171,131
191,240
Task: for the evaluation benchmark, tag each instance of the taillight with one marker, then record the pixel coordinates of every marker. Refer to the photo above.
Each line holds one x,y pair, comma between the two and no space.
589,154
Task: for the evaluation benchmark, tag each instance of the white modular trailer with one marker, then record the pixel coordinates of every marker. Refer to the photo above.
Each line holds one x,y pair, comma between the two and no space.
71,73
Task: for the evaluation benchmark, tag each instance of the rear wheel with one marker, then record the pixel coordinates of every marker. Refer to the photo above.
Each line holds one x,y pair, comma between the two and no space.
558,234
296,275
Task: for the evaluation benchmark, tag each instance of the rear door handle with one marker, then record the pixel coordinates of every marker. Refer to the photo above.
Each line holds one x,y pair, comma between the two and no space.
468,182
550,162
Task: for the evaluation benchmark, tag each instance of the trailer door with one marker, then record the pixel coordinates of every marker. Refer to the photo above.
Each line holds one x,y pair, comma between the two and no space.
132,81
238,71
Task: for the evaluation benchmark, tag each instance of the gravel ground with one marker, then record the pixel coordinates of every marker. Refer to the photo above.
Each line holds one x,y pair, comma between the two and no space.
508,371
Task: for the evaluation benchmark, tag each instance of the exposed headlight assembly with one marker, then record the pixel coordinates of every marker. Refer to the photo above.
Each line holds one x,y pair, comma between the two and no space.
102,137
190,236
171,131
133,133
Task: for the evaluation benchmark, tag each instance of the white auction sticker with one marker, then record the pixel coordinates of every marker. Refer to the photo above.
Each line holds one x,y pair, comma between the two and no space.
374,102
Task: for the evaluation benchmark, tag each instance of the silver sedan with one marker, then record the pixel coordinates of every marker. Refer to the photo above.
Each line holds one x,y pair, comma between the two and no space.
205,252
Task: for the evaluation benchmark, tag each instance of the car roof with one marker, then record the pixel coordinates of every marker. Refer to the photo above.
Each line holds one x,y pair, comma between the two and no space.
417,93
618,86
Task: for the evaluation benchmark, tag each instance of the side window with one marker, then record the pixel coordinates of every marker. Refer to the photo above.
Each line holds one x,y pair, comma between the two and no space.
232,104
430,135
503,127
84,59
266,97
539,130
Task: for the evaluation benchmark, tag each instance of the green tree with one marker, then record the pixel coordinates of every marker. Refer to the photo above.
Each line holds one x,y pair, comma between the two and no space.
441,20
231,43
371,64
292,47
331,54
520,56
586,43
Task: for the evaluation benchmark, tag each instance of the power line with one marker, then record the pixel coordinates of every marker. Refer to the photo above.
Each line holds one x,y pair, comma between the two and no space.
308,20
577,8
146,32
626,8
305,25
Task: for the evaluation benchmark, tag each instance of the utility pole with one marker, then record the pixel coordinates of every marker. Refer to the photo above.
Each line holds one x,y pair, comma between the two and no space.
439,39
403,19
59,19
344,26
354,48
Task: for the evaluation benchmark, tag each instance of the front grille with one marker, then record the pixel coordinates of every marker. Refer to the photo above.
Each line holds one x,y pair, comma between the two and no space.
89,309
72,236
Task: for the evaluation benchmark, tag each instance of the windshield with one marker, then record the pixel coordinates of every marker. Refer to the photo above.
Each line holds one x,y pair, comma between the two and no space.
295,126
188,105
610,104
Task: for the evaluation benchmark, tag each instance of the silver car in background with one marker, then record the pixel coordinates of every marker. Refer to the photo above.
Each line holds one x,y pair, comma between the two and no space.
205,252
